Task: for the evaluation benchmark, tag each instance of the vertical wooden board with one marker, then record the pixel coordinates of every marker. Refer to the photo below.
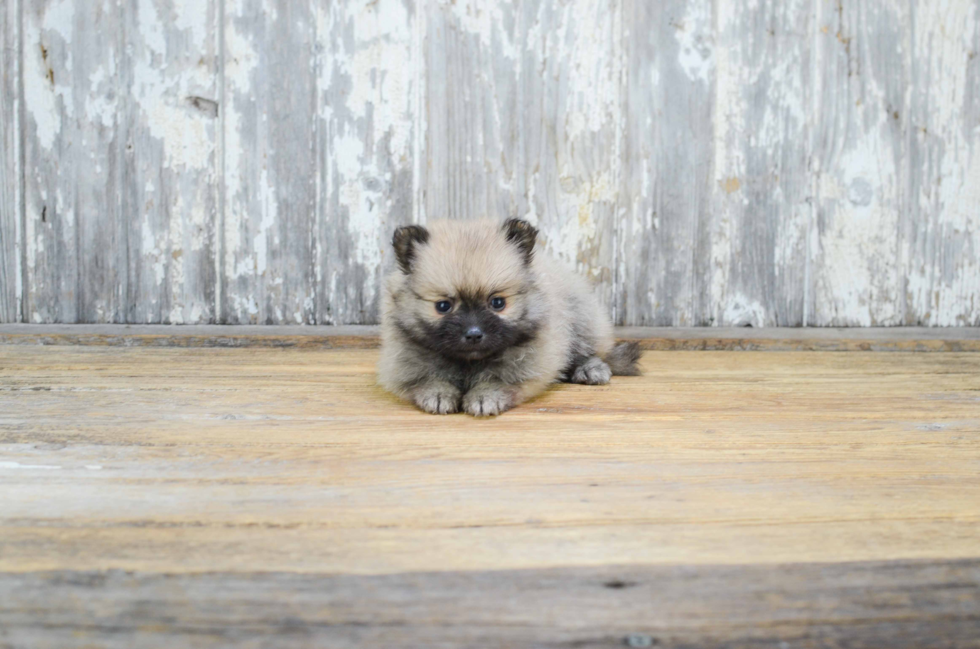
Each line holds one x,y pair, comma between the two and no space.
368,90
74,234
758,229
571,96
859,153
942,225
667,152
10,163
170,175
268,264
474,163
523,119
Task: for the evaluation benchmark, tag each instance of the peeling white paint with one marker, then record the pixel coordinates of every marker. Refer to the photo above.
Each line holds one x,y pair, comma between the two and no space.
859,249
542,131
741,311
695,40
40,96
269,206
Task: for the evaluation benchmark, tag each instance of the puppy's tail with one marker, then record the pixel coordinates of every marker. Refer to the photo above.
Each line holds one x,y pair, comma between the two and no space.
623,359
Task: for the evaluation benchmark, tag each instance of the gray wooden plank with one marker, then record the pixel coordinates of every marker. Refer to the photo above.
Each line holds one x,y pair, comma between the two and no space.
896,604
941,227
369,82
11,171
75,251
859,150
169,176
268,265
523,120
757,251
667,152
883,339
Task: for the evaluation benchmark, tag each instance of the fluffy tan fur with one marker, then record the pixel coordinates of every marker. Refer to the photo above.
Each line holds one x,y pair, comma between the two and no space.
559,329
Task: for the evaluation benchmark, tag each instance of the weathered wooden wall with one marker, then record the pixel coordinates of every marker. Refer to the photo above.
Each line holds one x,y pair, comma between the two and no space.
706,162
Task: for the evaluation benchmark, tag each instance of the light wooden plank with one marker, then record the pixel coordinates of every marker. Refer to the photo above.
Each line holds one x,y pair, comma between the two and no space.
170,169
860,146
74,233
368,93
171,460
270,163
667,152
884,604
941,228
162,497
757,255
11,170
523,120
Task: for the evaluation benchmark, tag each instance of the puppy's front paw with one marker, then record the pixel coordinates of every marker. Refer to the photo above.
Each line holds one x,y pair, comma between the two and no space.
438,399
592,372
488,402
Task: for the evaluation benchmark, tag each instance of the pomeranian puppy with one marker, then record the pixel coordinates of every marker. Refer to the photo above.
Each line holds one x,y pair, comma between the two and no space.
475,319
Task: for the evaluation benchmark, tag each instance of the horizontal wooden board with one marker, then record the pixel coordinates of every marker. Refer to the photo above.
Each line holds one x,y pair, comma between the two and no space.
367,337
899,604
227,459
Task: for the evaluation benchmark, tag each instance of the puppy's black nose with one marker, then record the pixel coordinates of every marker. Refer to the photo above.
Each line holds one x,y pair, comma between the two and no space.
473,335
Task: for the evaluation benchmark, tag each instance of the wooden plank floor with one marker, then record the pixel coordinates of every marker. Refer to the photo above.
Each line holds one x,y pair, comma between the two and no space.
262,497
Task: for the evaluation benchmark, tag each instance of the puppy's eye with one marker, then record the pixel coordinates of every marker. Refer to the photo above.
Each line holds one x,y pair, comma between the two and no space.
498,303
445,306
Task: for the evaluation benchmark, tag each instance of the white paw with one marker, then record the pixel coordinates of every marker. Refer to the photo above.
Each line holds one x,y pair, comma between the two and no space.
437,401
487,403
592,372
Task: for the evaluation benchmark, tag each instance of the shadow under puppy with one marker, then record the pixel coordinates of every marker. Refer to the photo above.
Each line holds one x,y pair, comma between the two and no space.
474,319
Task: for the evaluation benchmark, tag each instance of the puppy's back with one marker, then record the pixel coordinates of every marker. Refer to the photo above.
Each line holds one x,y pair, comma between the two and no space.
576,307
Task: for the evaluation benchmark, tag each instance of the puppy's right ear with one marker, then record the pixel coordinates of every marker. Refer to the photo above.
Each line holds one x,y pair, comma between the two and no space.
406,239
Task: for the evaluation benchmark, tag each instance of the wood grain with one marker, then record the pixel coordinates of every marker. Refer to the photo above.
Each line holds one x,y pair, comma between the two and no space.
705,163
939,230
74,236
901,604
276,497
169,180
667,180
757,232
11,170
369,91
890,339
522,112
859,153
229,459
269,261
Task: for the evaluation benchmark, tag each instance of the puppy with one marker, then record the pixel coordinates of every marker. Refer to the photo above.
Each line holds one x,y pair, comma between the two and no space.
475,319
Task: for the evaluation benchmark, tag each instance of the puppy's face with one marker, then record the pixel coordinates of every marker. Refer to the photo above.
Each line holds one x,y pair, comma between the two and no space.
467,291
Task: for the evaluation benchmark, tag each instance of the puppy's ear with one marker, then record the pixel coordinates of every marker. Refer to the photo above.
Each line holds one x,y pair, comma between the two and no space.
522,234
406,239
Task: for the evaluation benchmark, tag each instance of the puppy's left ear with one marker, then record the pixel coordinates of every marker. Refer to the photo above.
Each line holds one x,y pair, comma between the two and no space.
407,238
523,235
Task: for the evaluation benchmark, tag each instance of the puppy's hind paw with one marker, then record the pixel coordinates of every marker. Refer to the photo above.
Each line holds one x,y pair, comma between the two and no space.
439,400
592,372
487,403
